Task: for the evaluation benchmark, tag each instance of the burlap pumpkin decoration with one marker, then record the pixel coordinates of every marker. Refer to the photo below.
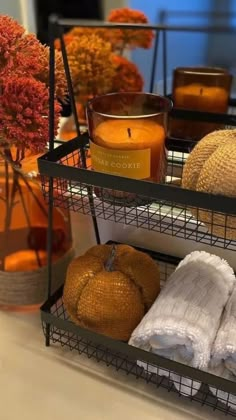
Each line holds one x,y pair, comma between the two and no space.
210,168
109,289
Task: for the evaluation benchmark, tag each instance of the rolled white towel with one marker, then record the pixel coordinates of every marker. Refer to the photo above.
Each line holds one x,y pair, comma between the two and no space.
223,360
182,323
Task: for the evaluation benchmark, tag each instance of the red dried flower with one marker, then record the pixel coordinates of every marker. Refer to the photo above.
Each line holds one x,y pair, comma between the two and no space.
129,38
33,58
127,77
10,33
24,113
24,54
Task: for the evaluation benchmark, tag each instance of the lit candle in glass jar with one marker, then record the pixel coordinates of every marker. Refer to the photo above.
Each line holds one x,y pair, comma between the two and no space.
201,98
127,134
199,89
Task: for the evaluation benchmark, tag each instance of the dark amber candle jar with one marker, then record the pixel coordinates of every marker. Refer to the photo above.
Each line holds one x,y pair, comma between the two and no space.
127,135
202,89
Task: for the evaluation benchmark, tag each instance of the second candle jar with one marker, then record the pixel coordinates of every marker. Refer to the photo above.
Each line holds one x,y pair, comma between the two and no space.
127,134
203,89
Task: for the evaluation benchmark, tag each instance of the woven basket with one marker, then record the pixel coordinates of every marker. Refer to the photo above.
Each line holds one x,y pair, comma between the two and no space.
30,288
210,168
111,302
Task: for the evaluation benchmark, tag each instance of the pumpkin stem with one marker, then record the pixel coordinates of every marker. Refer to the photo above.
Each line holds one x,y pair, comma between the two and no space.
110,261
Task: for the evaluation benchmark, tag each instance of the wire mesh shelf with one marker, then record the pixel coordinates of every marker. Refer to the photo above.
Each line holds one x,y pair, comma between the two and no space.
68,182
154,370
164,208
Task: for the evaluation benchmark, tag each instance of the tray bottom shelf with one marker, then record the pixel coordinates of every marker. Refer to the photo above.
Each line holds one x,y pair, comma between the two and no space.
59,329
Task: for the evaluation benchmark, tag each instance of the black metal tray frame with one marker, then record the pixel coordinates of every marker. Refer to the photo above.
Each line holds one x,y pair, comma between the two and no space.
56,172
58,328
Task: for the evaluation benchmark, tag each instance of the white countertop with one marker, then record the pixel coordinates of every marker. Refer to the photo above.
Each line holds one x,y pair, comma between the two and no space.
39,383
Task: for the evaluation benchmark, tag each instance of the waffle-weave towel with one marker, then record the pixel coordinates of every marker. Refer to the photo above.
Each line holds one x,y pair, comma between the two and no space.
223,359
183,321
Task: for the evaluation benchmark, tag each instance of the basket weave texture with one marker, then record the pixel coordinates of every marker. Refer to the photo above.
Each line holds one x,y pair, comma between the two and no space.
211,168
30,288
111,302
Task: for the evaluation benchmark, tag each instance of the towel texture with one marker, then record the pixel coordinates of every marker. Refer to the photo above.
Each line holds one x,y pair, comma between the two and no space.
182,323
223,360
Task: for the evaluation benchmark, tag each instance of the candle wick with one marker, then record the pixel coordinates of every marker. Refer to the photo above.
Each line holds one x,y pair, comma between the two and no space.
201,91
129,132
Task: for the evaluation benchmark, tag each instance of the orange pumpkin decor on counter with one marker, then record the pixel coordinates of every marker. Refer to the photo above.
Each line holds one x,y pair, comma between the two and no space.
110,288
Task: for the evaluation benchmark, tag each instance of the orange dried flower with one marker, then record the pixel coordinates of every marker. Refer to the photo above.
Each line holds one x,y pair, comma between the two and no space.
77,32
93,68
80,31
68,37
127,77
24,113
91,65
129,38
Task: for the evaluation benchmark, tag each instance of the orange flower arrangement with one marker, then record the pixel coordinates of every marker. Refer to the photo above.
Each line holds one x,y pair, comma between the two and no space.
91,66
129,38
127,77
95,55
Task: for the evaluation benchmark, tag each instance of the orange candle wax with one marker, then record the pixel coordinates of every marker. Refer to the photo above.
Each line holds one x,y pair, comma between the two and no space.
132,147
201,98
198,97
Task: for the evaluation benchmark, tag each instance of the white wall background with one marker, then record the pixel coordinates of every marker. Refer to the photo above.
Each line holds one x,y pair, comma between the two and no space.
22,10
112,4
184,49
11,7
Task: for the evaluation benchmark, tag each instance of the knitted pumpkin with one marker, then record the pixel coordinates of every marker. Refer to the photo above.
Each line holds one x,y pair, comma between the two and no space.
210,168
110,288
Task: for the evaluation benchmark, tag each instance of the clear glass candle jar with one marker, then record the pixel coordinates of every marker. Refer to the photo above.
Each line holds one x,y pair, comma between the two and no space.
203,89
127,135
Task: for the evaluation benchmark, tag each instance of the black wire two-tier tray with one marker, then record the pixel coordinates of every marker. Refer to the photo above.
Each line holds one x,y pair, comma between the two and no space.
68,181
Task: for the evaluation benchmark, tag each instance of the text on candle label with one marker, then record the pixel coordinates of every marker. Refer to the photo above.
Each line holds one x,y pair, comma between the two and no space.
130,163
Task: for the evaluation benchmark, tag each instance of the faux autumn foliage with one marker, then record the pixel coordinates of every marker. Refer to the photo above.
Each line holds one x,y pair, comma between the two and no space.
24,80
129,38
24,110
95,72
127,77
95,55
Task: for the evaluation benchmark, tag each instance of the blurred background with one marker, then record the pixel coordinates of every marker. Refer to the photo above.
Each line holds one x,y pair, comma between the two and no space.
183,48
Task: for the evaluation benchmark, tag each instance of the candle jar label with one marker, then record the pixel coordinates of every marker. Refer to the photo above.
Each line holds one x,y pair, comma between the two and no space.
129,163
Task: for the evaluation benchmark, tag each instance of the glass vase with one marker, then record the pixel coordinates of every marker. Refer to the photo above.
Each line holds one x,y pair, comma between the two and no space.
23,235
